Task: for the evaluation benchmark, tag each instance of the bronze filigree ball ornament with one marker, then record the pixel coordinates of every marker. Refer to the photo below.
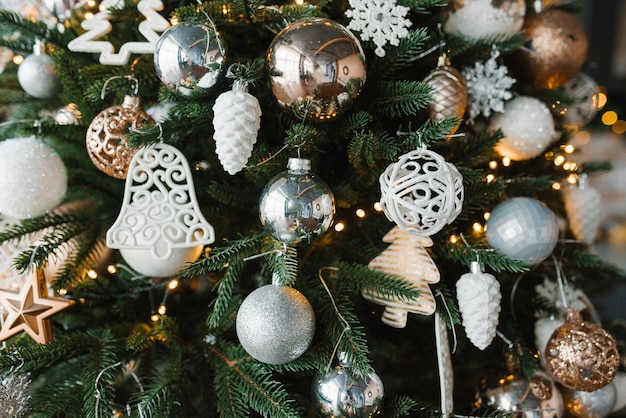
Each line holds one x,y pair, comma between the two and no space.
582,355
556,49
316,69
106,140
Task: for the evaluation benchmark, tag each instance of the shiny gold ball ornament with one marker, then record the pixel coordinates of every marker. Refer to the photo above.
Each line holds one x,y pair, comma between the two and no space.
316,69
555,53
582,355
106,140
449,94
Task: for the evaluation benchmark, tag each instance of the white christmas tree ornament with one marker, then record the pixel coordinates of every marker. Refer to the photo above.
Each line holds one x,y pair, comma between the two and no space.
479,298
444,361
583,210
99,26
160,226
237,120
406,258
382,21
488,87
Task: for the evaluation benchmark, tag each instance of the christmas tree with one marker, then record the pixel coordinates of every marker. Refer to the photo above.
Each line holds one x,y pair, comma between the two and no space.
208,207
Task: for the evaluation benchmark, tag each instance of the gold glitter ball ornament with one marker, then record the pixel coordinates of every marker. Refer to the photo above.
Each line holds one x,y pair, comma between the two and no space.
556,51
449,94
582,355
316,69
106,140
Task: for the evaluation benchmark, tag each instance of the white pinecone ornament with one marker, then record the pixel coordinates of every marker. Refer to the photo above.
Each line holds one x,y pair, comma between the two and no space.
582,207
236,120
478,294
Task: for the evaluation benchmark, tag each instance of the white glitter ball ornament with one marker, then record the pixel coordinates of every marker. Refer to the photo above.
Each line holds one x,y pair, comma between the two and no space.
421,192
477,19
275,324
33,178
36,74
528,128
523,228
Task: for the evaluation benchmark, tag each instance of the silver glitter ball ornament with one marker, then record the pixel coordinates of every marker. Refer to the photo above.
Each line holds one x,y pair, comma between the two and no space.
343,392
188,58
596,404
36,74
275,324
295,205
523,228
316,69
521,398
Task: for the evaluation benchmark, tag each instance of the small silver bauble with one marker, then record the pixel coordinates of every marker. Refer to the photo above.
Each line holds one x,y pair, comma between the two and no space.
343,392
188,58
316,69
523,228
295,205
37,75
521,398
275,324
596,404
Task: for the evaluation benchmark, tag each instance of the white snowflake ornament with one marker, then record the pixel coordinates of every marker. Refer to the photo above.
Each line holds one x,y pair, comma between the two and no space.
381,21
488,87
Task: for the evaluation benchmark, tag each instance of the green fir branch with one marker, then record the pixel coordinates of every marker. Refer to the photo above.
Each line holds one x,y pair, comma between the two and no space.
154,401
464,254
400,98
593,167
401,406
219,257
74,87
282,261
223,302
404,54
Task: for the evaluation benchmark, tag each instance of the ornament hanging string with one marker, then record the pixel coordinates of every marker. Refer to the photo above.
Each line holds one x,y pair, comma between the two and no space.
504,338
127,77
339,315
204,12
560,282
445,305
98,395
281,252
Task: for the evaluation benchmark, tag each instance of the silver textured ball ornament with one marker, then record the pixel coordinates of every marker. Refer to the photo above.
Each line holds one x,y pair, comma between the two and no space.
421,192
37,75
537,397
596,404
523,228
188,58
295,205
343,392
316,69
275,324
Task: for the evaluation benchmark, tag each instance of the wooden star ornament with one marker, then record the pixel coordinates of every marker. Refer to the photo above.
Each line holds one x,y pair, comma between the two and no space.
29,309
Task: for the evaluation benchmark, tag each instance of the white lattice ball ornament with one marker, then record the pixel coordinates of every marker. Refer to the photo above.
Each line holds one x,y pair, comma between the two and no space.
33,177
528,128
421,192
160,226
479,19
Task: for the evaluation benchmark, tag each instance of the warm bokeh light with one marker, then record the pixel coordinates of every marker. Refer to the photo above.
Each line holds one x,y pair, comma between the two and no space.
454,239
339,226
572,178
601,100
582,137
486,216
558,160
88,15
18,59
112,268
570,166
556,186
506,161
569,148
378,207
92,274
490,178
493,165
609,117
62,292
173,284
162,310
477,227
360,213
619,127
154,317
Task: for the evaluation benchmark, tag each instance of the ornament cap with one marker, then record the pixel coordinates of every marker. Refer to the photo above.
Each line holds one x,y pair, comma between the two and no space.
131,102
443,60
476,267
299,165
39,47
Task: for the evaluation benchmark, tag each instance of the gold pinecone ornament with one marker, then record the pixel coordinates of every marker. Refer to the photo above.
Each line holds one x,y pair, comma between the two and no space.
449,95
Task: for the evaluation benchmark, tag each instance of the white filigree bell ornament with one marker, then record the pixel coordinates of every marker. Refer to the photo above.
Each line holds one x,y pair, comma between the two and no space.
160,227
421,192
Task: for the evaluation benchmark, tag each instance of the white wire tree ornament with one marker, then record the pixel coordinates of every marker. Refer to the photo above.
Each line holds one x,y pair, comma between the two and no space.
160,226
99,26
421,192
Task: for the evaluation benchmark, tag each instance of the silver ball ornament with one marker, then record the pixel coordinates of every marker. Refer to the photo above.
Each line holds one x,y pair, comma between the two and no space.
275,324
295,205
37,76
596,404
523,228
343,392
316,69
188,58
520,398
